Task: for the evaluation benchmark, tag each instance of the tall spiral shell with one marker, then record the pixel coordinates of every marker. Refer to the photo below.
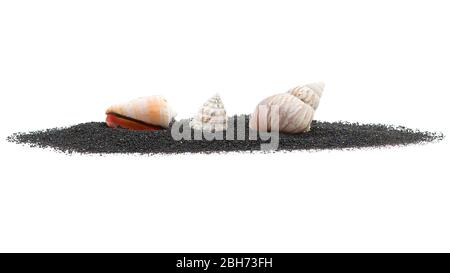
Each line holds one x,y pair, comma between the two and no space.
309,93
211,117
147,111
294,116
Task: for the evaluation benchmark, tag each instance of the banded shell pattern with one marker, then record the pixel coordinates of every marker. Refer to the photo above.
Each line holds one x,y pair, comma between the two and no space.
145,113
309,93
295,116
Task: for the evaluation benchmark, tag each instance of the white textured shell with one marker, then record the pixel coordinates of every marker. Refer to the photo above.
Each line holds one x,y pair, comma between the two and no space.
295,116
309,93
211,117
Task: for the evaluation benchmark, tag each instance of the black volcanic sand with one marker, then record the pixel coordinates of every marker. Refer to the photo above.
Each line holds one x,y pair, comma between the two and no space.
97,138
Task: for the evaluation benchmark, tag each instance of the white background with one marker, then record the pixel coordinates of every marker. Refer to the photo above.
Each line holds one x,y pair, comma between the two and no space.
65,62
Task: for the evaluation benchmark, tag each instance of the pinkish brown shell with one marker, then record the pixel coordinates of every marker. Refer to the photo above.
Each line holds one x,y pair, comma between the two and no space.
152,110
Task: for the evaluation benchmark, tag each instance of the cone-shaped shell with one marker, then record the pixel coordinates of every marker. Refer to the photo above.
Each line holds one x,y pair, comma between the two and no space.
294,116
309,93
211,117
152,110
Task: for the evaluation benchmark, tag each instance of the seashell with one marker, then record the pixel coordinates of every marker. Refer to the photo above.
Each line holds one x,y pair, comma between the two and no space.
309,93
295,116
211,117
145,113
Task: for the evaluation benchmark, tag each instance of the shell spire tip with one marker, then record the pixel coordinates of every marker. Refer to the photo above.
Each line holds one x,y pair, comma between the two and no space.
317,87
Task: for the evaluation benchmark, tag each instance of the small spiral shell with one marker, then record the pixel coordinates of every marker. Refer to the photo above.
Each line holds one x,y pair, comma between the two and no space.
211,117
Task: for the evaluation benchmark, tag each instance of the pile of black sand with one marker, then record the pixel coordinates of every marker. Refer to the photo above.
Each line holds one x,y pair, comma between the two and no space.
97,138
